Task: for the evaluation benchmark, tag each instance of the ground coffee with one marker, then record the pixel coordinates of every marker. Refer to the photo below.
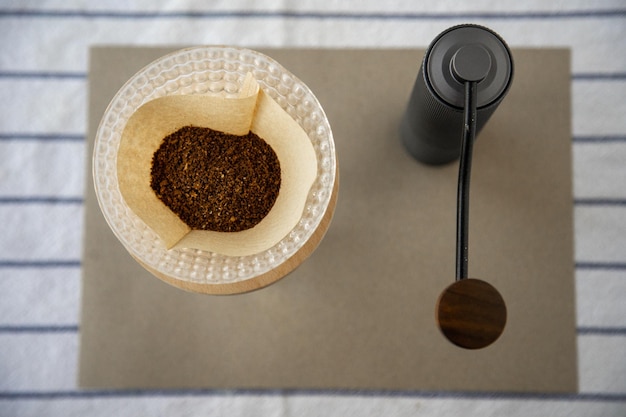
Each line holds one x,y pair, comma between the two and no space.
216,181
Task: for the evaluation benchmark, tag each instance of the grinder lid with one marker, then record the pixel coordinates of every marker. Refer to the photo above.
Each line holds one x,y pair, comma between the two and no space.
439,70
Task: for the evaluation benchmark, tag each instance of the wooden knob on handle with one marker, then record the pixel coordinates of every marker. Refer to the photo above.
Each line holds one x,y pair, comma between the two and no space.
471,313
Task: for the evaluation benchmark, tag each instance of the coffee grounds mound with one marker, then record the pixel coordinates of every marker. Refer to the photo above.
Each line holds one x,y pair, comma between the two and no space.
214,180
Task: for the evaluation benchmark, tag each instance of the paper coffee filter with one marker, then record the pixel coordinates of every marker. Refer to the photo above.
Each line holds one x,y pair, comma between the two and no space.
252,111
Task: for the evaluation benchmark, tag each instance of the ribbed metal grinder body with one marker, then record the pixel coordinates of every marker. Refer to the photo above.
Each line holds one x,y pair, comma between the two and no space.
431,128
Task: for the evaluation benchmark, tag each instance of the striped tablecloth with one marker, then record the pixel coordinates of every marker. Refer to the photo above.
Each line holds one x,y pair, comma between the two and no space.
44,49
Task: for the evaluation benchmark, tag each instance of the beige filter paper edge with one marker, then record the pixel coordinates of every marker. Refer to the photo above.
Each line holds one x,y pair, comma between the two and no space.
252,111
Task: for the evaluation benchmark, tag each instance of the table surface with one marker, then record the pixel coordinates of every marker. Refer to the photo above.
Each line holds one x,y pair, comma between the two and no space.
43,75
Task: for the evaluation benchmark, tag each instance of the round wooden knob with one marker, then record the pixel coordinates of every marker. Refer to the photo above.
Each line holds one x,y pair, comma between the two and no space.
471,313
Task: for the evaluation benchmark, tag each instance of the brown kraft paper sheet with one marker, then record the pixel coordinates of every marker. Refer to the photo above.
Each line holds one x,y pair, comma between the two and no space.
359,313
